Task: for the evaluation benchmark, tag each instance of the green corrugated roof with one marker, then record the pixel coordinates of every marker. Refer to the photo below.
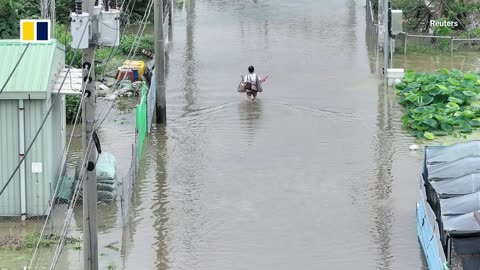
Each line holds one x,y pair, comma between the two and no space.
33,72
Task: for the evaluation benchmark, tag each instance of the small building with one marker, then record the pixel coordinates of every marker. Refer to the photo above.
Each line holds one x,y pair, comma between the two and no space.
24,103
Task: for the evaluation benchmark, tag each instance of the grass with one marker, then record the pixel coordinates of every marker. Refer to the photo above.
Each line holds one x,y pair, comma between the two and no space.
29,241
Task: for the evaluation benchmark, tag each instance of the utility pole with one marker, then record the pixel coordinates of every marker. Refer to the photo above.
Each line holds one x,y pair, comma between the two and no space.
380,24
52,18
170,22
386,38
160,106
90,243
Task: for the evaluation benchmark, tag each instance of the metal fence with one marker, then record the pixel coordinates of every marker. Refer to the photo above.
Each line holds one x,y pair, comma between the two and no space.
414,43
128,185
371,36
371,22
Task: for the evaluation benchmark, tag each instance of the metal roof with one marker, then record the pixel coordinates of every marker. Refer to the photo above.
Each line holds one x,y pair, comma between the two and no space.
72,84
32,78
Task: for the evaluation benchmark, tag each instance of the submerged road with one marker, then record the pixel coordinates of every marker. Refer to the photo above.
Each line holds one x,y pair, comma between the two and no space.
315,175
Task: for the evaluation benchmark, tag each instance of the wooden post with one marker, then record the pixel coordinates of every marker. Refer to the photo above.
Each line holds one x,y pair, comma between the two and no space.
160,106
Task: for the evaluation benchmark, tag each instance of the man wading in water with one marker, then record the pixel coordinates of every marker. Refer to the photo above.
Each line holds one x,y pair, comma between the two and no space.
251,81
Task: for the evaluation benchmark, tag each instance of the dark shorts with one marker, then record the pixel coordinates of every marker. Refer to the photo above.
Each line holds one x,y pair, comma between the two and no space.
252,92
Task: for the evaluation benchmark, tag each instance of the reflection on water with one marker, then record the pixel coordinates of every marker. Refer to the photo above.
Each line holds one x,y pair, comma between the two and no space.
250,115
382,188
317,168
293,181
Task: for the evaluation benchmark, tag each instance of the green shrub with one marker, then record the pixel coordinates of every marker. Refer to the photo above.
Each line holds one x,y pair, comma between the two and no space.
146,42
72,103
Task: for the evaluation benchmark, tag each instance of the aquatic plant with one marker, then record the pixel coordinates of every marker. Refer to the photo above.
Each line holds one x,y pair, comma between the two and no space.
445,103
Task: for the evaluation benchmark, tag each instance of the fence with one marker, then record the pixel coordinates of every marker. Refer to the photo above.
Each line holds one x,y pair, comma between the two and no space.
371,21
371,36
413,43
128,186
141,120
151,99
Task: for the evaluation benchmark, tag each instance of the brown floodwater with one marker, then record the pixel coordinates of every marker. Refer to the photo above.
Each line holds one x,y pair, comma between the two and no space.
316,174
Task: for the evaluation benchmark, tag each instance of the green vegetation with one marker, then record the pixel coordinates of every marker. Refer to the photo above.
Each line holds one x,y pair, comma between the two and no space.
12,12
30,240
72,103
145,42
446,103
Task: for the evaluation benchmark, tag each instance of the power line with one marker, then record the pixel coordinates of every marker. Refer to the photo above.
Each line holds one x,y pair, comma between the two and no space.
71,207
131,54
14,68
75,196
114,50
59,181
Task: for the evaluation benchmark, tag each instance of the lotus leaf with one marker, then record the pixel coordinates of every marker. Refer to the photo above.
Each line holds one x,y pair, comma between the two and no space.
453,106
453,81
431,122
470,77
438,104
455,100
429,136
446,127
469,93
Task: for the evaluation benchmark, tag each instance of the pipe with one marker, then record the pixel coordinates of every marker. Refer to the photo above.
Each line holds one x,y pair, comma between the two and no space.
21,140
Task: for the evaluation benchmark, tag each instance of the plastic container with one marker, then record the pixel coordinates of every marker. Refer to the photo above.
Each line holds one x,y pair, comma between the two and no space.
139,65
135,74
125,73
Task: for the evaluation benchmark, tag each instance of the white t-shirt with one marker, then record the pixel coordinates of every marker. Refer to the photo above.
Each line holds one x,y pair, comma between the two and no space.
251,78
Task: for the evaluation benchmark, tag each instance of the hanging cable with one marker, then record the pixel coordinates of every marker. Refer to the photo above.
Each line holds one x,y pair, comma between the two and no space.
115,50
130,56
14,68
59,182
76,194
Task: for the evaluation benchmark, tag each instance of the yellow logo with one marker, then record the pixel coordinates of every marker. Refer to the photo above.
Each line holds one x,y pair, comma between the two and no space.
35,31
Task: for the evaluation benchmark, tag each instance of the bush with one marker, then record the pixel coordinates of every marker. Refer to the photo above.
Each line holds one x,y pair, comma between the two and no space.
441,104
147,42
72,103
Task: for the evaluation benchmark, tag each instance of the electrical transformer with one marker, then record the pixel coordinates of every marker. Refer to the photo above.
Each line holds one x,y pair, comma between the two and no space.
397,22
109,28
80,28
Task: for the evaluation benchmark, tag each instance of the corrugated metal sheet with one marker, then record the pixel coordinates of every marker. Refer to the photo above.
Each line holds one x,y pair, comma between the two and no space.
33,73
9,157
58,65
38,184
36,74
58,137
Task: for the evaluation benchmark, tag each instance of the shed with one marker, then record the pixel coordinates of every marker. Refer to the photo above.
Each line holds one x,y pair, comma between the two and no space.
24,103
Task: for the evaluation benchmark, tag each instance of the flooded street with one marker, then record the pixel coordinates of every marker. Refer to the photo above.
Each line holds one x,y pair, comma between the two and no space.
316,174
